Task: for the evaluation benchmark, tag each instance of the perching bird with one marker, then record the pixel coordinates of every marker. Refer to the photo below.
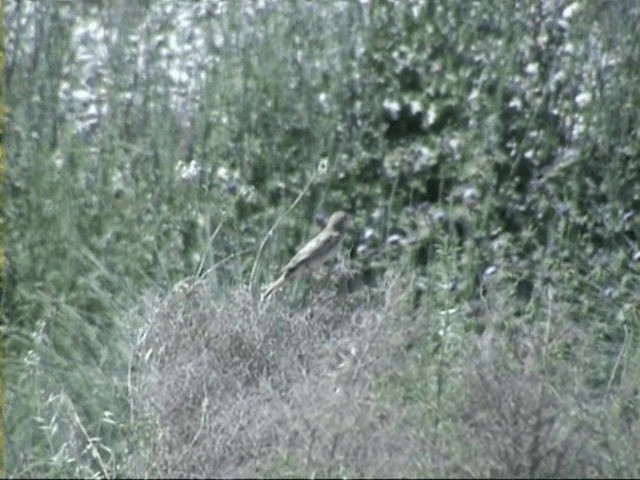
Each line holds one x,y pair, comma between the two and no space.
318,250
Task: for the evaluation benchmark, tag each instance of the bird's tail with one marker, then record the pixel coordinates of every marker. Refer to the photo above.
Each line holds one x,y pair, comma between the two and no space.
272,287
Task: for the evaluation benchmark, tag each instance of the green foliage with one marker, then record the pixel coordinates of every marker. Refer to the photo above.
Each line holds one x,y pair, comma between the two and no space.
490,150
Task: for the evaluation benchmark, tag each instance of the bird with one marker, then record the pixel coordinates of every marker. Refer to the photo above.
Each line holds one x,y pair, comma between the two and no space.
324,246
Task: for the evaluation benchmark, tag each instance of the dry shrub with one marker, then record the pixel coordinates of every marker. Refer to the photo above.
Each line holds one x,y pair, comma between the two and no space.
236,386
357,386
530,411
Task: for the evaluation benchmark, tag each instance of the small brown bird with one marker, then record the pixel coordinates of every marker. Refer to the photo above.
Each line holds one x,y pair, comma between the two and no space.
314,253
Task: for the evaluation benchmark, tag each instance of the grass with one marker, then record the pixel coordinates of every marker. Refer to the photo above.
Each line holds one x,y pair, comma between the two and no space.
485,321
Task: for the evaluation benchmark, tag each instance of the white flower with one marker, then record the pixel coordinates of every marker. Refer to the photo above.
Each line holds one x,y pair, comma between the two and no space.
583,99
570,10
188,174
532,69
323,166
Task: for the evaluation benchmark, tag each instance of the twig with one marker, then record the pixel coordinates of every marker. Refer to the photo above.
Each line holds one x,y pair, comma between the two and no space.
209,241
617,364
273,227
94,451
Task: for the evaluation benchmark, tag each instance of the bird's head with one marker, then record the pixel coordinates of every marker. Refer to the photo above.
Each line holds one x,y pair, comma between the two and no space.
339,221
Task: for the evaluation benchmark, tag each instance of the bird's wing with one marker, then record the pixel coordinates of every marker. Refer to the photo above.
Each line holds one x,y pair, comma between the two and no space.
317,250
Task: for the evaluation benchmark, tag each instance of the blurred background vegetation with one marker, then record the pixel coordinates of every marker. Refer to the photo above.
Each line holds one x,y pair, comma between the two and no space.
489,152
